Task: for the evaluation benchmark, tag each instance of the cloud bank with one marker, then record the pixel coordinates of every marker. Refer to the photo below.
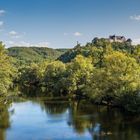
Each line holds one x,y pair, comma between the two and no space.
135,17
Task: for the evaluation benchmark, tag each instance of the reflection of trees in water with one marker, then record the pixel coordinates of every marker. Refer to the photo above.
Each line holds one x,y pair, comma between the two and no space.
76,119
4,121
55,107
103,123
31,91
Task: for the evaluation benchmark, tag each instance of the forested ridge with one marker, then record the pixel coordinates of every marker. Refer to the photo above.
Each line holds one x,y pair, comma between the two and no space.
28,55
100,71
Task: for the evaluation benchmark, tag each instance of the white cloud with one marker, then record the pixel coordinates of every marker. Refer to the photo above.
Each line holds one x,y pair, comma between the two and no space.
2,12
14,34
10,42
42,44
26,44
20,43
136,41
78,34
135,17
1,23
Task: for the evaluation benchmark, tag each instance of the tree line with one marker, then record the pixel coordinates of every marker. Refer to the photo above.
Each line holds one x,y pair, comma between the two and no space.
103,72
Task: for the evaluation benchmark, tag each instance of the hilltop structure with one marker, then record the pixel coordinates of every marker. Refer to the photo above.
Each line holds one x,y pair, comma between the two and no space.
114,38
120,39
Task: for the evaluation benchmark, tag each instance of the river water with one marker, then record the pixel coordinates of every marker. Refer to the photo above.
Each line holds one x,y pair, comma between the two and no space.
48,120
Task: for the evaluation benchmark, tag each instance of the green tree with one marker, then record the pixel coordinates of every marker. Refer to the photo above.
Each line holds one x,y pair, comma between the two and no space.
54,77
79,72
119,76
7,73
32,74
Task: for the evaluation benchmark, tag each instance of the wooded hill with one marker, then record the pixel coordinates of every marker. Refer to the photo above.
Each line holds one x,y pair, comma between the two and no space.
34,54
101,44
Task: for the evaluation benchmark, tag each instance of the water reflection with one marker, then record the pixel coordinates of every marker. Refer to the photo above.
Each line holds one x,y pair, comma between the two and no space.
55,107
4,121
42,120
104,123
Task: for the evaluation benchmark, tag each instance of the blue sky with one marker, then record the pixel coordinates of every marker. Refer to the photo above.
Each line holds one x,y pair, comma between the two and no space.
61,23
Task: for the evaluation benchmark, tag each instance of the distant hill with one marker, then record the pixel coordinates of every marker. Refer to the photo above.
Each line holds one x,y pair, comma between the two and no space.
34,54
26,55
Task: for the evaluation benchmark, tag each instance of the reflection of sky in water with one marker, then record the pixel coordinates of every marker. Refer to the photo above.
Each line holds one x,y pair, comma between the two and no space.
30,122
45,121
96,129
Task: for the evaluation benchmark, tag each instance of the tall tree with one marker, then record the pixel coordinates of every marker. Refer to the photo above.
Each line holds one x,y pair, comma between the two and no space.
7,72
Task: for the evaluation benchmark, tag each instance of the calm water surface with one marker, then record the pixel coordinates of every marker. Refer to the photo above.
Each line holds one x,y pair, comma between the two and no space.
43,120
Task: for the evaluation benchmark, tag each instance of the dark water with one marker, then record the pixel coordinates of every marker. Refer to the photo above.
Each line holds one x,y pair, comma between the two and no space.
43,120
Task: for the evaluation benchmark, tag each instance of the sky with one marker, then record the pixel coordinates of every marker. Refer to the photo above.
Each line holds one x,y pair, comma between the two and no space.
61,23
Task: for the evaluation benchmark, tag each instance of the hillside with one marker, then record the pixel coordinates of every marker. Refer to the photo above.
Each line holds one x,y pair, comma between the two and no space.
96,45
34,54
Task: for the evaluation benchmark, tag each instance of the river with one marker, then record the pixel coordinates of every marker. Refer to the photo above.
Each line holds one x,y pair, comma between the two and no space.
60,120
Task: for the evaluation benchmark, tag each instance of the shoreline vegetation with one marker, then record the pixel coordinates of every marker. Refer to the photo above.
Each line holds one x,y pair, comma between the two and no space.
103,72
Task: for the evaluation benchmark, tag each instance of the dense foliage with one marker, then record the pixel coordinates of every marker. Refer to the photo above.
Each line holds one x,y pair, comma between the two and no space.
101,71
26,55
7,73
96,48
